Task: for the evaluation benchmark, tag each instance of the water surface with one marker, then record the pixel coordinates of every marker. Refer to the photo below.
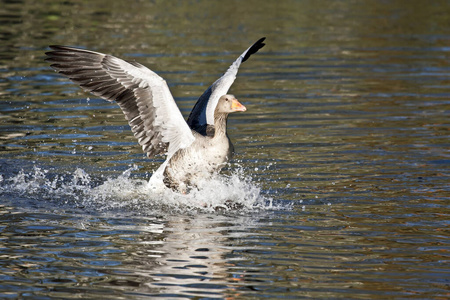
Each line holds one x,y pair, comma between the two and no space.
341,169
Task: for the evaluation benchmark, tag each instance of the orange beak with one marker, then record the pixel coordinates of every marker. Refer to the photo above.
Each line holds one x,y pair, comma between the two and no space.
237,106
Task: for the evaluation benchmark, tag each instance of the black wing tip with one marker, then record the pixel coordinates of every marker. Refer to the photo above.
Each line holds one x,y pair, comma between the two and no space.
62,48
259,44
55,50
254,48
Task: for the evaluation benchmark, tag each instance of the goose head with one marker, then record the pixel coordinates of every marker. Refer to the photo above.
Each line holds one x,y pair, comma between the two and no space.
228,104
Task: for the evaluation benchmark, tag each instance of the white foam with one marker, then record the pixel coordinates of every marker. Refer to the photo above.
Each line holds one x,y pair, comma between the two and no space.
235,192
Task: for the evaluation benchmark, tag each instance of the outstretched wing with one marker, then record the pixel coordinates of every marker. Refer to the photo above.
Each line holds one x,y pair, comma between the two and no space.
143,96
203,112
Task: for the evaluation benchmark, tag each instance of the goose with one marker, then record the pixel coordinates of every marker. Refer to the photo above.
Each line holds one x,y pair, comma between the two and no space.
195,149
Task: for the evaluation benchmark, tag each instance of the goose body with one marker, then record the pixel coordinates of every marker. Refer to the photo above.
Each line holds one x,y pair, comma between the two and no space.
195,149
205,156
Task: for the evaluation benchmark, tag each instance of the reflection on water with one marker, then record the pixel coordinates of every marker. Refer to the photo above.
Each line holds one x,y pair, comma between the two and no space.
341,169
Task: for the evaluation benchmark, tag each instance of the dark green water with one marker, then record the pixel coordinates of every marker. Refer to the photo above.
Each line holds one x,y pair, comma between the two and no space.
342,164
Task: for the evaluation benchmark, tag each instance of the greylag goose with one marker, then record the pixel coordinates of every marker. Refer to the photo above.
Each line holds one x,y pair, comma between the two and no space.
195,149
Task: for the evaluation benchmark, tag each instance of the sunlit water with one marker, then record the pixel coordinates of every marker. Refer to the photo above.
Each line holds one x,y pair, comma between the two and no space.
339,187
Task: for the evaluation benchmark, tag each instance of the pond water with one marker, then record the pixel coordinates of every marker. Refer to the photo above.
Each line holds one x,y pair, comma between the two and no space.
341,170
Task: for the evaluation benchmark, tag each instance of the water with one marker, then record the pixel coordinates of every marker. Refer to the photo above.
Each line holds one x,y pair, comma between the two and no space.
341,172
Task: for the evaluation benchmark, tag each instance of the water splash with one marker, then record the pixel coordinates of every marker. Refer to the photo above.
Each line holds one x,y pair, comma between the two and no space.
235,192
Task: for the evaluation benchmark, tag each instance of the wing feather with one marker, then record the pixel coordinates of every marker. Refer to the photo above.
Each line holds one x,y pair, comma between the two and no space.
143,96
203,112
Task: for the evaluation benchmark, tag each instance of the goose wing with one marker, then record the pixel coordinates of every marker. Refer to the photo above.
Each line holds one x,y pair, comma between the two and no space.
203,112
143,96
